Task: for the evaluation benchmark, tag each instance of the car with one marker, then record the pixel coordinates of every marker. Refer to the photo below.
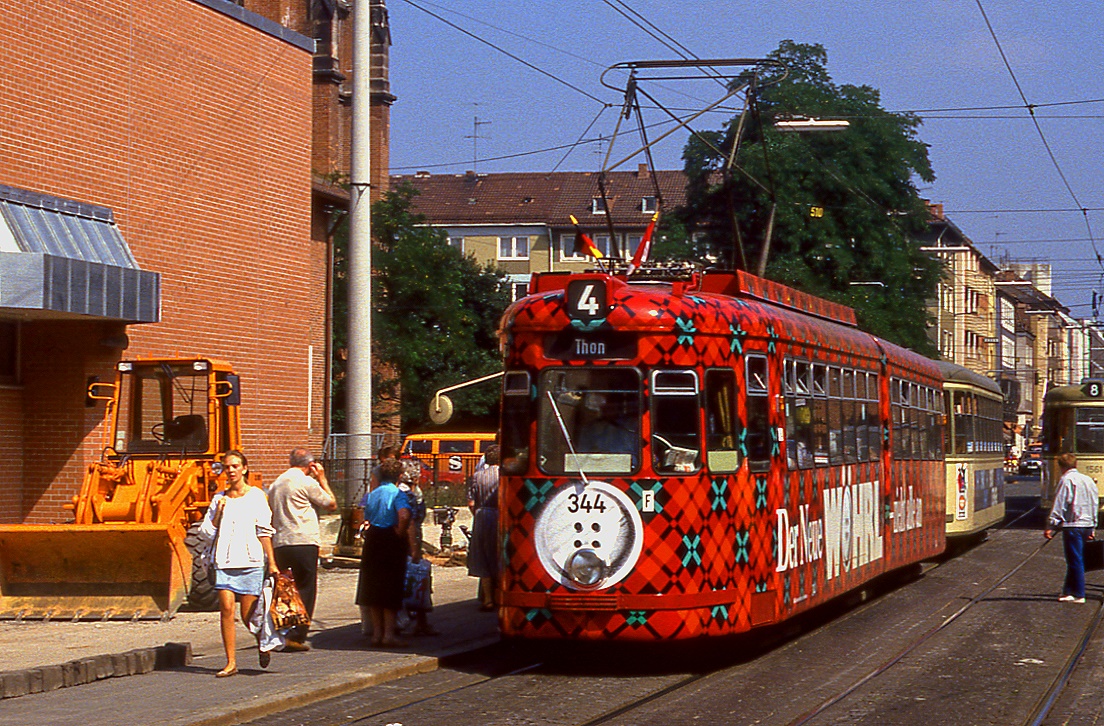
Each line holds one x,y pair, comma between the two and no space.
1031,462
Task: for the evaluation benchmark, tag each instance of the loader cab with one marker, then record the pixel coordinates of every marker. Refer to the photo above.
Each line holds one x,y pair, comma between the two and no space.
174,407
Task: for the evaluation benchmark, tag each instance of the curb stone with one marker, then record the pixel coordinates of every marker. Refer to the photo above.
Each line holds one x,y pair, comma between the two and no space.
86,670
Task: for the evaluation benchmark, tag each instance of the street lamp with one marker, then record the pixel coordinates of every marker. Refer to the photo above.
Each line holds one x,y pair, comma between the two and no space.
811,124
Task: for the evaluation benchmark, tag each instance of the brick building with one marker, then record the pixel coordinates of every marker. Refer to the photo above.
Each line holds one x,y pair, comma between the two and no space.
183,127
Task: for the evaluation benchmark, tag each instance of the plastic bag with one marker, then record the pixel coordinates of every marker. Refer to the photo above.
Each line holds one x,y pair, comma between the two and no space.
418,586
288,610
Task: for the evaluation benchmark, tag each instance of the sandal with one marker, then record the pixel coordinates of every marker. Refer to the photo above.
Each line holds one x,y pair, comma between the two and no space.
227,672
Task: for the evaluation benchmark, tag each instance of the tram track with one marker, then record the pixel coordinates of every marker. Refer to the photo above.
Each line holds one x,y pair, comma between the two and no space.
477,681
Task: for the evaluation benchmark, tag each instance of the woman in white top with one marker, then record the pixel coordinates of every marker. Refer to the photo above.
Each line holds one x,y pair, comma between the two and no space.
240,521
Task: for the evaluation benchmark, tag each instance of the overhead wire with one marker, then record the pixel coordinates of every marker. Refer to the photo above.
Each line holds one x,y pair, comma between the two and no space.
1039,129
506,53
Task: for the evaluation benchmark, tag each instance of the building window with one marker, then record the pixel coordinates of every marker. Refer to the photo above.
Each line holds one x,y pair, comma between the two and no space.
597,205
457,243
513,248
9,352
648,205
519,290
972,344
568,253
632,241
972,300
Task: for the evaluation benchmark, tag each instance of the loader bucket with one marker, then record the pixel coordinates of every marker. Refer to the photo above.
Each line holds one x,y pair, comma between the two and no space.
91,571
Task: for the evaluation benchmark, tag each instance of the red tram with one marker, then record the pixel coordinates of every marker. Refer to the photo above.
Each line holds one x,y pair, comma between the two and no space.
701,454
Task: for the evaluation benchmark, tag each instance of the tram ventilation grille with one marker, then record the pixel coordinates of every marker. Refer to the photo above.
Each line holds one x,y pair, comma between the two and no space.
606,603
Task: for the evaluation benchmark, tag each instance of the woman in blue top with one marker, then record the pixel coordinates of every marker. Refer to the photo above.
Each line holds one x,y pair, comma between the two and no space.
383,556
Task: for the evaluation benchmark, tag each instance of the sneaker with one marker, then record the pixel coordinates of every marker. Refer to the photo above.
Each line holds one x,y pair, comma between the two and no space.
294,646
1078,599
1068,598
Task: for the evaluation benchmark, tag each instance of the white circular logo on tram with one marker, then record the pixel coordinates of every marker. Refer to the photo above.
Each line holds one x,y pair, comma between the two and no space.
589,536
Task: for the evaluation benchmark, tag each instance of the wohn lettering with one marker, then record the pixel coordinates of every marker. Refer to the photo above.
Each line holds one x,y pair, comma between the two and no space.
848,536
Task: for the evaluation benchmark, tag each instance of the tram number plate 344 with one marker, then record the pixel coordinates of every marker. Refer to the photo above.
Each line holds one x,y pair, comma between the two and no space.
586,502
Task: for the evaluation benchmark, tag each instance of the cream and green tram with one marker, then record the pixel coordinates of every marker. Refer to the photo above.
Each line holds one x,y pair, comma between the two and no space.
1073,421
974,450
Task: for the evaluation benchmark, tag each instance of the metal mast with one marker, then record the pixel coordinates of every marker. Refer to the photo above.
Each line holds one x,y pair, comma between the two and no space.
359,371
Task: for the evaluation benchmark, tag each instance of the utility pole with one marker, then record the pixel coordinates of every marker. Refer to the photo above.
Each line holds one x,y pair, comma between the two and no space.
359,370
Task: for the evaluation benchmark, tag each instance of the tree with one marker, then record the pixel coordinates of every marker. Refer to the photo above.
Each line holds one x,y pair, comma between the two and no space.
435,316
846,206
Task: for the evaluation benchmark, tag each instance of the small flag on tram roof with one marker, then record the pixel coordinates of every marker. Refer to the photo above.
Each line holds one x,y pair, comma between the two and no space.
645,247
583,242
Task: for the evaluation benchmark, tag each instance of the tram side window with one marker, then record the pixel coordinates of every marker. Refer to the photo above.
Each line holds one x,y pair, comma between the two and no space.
820,414
874,415
916,413
835,416
1090,431
722,453
963,422
758,414
799,417
935,425
676,443
849,423
516,417
899,393
862,429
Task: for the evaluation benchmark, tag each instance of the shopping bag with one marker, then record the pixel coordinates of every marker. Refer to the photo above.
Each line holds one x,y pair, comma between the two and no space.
288,609
1094,555
418,586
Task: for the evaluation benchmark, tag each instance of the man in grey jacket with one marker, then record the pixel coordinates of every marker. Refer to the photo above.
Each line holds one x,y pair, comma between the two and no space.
1075,506
294,496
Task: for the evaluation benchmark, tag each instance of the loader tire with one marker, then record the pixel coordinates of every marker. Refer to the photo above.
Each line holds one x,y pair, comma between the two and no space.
201,594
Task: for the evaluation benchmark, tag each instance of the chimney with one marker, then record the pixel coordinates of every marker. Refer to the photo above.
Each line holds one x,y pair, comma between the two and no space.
642,170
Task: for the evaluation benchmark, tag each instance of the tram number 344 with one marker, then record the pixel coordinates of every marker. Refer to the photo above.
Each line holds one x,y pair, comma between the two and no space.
586,503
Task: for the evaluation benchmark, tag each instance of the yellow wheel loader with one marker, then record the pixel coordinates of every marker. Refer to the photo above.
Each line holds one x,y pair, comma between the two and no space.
132,550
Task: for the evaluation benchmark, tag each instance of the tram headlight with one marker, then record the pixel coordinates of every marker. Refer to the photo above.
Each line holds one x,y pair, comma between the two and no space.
586,568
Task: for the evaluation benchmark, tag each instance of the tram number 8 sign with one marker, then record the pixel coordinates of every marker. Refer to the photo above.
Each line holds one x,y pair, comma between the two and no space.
1093,388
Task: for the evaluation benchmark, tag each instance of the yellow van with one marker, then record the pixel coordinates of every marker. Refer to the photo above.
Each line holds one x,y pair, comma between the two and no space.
449,457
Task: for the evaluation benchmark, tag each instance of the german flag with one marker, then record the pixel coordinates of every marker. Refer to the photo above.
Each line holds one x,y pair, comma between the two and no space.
645,247
583,242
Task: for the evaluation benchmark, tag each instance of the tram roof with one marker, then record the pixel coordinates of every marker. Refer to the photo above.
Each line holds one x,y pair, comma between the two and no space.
1067,394
954,373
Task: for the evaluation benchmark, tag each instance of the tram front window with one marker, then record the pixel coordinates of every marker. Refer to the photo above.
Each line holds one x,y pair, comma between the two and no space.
598,411
1090,431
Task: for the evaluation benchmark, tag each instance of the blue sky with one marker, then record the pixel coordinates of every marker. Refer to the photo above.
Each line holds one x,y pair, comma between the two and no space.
993,171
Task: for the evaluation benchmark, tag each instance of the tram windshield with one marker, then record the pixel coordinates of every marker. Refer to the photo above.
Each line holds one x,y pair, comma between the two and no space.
598,410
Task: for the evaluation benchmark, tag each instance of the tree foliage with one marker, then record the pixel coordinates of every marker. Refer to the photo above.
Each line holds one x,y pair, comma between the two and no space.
847,209
435,315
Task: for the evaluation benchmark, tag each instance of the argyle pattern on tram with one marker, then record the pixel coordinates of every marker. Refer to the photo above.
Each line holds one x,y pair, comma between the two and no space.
712,540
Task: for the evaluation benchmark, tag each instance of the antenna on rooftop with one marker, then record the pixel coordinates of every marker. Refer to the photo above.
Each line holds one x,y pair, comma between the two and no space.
475,137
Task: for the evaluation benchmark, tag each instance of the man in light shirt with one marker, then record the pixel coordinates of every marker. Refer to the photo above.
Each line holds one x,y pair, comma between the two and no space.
1075,506
294,497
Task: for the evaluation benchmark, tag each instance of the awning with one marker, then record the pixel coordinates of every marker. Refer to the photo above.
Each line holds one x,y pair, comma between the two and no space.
60,258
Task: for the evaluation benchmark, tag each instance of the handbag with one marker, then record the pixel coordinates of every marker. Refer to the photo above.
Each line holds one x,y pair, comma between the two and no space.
288,610
418,586
1094,555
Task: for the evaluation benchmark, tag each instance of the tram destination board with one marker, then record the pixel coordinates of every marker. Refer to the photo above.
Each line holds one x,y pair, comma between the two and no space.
572,345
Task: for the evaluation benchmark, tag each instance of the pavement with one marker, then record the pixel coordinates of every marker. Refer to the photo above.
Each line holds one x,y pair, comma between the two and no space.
149,672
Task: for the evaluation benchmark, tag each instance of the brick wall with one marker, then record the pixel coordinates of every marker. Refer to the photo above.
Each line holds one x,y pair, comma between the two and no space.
196,130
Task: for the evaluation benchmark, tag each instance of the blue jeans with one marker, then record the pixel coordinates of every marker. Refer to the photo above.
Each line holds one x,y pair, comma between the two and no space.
1073,540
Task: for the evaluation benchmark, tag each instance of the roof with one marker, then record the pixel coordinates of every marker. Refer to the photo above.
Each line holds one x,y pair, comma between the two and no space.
540,198
1025,293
